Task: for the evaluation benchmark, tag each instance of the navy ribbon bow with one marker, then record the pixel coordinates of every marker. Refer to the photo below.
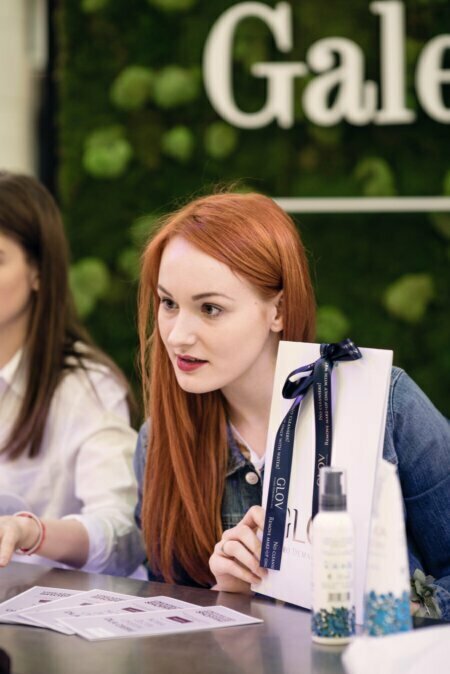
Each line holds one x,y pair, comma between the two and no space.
317,375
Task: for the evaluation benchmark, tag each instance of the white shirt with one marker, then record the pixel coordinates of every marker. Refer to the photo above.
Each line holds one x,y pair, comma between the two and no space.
257,461
84,468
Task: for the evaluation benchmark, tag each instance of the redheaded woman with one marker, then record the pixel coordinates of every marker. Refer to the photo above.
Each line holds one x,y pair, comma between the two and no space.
222,282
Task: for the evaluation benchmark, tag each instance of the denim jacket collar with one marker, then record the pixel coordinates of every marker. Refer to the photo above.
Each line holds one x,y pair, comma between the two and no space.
236,459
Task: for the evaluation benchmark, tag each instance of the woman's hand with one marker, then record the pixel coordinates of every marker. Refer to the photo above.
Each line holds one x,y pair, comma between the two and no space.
16,532
235,560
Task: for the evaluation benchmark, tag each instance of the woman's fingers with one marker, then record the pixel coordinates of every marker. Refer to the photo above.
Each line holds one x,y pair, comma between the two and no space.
254,518
242,545
9,539
222,565
236,556
240,553
246,536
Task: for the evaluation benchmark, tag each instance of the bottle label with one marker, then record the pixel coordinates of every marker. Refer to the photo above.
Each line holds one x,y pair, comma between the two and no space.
333,614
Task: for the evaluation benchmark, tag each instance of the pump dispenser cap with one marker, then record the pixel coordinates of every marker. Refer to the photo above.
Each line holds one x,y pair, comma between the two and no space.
332,488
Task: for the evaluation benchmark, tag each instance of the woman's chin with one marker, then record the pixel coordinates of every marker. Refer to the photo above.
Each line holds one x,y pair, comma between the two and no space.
191,384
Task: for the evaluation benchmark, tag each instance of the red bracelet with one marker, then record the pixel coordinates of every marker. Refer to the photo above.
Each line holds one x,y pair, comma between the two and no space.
41,537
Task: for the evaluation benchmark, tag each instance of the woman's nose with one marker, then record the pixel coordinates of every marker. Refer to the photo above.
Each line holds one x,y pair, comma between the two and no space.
182,332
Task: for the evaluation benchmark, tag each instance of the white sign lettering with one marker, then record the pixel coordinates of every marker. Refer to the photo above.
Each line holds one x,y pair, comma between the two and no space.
217,67
339,66
430,77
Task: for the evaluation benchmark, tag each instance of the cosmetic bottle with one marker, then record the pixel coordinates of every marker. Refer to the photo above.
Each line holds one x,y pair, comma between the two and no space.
333,610
387,590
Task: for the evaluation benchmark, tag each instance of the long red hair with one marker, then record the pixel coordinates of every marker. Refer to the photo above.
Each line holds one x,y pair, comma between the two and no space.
188,453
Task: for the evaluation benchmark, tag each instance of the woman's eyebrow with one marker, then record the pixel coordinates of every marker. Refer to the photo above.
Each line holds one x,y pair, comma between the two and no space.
163,290
202,296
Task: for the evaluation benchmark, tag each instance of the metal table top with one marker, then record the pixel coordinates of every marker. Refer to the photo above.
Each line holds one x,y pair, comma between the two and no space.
280,645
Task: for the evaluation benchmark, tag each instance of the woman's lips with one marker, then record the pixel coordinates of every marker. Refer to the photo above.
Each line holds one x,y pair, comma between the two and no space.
187,364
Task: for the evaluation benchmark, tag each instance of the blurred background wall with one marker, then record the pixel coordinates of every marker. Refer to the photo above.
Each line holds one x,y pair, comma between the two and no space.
118,119
23,61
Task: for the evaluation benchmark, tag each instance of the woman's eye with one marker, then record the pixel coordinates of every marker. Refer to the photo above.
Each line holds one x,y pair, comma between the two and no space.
211,310
167,303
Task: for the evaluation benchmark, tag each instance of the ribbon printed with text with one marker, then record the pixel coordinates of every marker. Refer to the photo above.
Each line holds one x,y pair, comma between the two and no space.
317,375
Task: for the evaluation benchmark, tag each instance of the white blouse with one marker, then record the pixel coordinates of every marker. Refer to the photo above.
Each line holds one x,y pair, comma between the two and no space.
257,461
84,468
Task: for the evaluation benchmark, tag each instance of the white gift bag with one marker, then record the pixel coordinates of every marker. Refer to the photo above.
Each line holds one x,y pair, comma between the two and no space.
359,398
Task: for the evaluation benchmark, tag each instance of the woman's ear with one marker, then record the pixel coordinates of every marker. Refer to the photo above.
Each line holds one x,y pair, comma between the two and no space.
277,322
34,279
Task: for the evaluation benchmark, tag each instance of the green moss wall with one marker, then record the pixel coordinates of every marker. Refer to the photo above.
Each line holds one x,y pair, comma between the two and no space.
137,134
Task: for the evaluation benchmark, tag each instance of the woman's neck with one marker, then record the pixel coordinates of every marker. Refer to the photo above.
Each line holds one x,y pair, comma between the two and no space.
249,403
12,338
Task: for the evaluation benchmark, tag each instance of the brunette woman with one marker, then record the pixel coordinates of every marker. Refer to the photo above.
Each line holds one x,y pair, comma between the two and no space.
222,282
65,440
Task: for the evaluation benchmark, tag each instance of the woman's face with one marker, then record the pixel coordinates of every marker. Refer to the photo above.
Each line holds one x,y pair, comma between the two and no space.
217,330
18,279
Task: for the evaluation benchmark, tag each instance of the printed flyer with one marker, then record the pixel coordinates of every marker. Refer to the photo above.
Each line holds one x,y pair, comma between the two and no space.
34,597
54,618
163,622
100,614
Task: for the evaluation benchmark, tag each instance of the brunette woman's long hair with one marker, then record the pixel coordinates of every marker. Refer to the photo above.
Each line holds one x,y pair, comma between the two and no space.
188,451
30,216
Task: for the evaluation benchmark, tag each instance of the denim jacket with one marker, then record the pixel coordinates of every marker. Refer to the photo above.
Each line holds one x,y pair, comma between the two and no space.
417,441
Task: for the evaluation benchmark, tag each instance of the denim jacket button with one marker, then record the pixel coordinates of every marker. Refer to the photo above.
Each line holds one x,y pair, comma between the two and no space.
252,478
